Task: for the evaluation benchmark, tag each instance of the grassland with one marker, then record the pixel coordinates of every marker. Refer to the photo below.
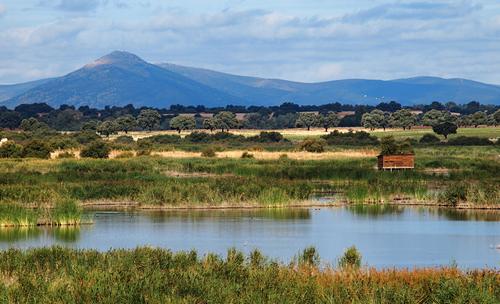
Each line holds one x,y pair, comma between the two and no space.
146,275
165,182
300,134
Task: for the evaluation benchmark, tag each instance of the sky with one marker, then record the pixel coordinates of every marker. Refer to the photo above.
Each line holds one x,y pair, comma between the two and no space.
301,40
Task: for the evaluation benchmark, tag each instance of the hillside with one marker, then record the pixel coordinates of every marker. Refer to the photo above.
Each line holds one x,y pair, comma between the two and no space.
121,78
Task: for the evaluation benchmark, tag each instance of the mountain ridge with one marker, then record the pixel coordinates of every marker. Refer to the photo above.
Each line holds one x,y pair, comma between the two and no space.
119,78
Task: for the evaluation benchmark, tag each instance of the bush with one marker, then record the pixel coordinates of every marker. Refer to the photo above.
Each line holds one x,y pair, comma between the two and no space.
469,141
247,155
351,258
390,146
10,149
63,142
66,154
37,149
267,137
124,139
360,138
283,156
208,152
429,139
454,194
126,154
96,149
144,148
86,137
309,257
313,145
198,137
163,139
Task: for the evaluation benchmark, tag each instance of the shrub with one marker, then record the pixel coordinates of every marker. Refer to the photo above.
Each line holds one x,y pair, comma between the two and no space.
163,139
360,138
66,154
96,149
454,194
142,152
86,137
247,155
308,257
63,142
429,139
283,156
37,149
10,149
198,137
124,139
208,152
126,154
390,146
469,141
351,258
144,148
268,137
313,145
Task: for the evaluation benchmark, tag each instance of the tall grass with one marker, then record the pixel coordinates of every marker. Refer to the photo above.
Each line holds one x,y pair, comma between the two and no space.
147,275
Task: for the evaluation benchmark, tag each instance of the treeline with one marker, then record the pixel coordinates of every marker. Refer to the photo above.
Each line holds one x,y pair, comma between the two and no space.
288,115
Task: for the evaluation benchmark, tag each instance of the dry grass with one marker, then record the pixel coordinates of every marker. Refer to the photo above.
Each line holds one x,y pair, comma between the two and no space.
298,155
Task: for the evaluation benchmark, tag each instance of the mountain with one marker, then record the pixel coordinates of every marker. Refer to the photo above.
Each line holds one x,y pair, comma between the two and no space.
121,78
355,91
10,91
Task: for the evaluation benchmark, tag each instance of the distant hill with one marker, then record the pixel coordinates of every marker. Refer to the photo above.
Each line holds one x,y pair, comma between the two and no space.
121,78
10,91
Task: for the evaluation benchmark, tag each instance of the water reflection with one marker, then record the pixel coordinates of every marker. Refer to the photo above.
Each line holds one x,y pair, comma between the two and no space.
467,215
10,234
69,234
285,214
376,211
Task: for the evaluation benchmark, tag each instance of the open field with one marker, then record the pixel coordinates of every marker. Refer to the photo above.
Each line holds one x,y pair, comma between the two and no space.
299,134
57,275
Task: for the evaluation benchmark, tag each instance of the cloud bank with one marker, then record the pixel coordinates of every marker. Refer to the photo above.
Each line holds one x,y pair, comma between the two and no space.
384,41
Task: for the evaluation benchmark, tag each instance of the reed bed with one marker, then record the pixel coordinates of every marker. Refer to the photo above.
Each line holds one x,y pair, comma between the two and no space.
149,275
158,181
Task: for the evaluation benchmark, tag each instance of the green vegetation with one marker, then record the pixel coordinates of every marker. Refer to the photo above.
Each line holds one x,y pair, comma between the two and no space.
148,275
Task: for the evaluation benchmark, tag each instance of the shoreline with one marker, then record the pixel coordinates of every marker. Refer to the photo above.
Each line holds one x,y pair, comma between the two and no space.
117,205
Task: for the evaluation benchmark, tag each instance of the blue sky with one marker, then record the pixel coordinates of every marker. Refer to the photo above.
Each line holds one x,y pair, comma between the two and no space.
297,40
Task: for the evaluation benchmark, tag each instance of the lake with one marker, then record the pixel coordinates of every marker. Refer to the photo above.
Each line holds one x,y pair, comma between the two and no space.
387,236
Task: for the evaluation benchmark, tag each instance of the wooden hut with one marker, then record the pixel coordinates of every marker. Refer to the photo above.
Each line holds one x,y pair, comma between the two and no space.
396,162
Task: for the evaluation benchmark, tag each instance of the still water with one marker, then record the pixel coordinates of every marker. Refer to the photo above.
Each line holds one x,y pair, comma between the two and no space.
386,236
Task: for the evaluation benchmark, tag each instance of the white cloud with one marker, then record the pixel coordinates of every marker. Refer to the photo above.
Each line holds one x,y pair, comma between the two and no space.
3,10
395,40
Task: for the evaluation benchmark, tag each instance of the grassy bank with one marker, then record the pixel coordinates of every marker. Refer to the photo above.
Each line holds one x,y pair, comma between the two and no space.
444,175
59,213
145,275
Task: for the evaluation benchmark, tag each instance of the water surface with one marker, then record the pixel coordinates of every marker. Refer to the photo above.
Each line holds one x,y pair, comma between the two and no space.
386,236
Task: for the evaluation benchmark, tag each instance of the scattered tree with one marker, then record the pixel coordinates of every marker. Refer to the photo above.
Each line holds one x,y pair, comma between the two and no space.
375,119
403,119
149,119
126,123
330,120
445,129
90,125
479,118
226,120
307,120
33,125
313,145
181,123
210,124
107,128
